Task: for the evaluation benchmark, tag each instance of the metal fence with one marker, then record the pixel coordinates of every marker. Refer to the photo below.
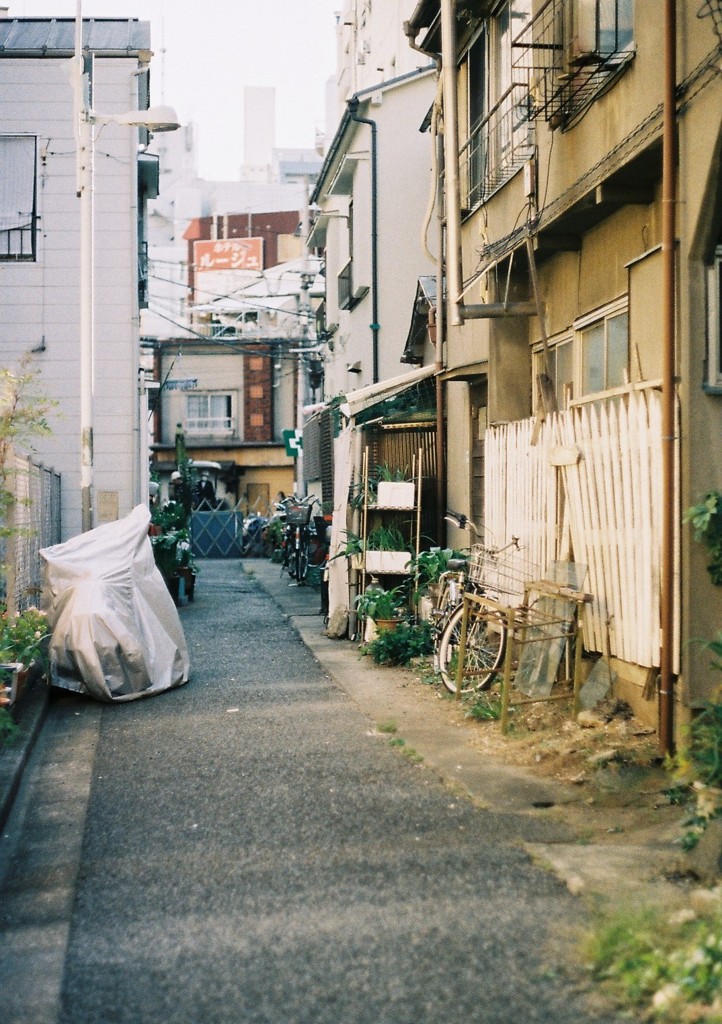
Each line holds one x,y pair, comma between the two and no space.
32,522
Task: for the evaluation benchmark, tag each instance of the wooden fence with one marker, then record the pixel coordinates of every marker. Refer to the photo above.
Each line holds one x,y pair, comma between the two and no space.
590,490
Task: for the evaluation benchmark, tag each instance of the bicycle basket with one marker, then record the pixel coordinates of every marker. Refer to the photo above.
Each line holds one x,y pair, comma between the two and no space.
501,574
298,515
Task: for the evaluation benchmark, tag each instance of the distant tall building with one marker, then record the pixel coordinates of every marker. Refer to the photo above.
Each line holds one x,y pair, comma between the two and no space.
259,134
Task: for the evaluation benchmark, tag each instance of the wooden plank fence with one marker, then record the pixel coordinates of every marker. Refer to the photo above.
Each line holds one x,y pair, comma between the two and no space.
601,510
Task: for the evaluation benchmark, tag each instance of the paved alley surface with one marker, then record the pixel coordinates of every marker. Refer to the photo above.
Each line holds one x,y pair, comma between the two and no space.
248,848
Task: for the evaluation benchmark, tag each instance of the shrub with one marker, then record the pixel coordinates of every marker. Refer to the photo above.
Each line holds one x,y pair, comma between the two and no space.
401,644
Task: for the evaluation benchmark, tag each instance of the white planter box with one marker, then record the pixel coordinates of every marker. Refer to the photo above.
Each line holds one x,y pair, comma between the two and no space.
387,561
393,494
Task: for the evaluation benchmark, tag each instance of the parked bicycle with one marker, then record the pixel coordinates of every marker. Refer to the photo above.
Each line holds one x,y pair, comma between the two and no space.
297,536
484,573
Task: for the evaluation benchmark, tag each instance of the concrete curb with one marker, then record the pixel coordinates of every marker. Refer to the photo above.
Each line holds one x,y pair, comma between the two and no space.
32,711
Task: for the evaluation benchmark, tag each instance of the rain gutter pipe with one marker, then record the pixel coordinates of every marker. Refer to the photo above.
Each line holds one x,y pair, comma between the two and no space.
451,162
439,353
375,326
669,195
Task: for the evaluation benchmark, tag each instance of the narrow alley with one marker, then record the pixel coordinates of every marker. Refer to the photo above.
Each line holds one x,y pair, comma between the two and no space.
248,848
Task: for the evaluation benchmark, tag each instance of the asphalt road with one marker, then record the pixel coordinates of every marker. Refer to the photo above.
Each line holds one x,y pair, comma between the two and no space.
248,849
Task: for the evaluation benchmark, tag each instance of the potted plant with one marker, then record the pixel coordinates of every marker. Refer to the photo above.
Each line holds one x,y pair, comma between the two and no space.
171,543
428,567
23,642
394,489
353,549
386,551
383,607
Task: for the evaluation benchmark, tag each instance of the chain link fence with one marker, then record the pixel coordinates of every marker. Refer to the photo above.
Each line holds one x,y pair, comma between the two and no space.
32,522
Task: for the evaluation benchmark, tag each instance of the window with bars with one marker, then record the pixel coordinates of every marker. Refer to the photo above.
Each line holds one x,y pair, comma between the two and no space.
570,51
18,197
499,133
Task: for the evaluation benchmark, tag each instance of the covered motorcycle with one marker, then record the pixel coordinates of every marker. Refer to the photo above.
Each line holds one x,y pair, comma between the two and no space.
116,633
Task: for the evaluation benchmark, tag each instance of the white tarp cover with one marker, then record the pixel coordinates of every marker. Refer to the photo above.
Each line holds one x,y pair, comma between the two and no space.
116,633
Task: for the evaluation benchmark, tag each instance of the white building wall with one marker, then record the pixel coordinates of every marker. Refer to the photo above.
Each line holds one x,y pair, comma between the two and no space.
216,372
404,176
372,46
40,301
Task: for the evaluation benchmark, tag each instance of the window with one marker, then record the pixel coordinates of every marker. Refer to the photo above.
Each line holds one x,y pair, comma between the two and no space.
18,197
209,414
605,353
593,358
561,370
601,27
499,136
714,324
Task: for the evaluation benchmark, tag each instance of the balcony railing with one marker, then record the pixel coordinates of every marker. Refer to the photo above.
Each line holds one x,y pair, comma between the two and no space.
567,67
497,148
18,243
210,425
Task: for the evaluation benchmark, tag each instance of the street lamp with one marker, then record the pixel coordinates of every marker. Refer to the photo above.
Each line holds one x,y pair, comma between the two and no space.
155,119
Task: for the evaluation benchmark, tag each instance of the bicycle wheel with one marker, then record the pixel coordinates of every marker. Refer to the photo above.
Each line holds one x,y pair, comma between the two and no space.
485,649
300,564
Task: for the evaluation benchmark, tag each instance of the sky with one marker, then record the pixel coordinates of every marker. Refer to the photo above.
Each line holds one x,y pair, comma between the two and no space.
208,51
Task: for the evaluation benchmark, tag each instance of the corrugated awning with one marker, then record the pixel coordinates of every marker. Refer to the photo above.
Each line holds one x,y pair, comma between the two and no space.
359,401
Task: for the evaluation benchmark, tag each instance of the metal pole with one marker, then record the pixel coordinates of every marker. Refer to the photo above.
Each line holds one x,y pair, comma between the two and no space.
669,194
375,325
305,310
87,324
439,353
451,162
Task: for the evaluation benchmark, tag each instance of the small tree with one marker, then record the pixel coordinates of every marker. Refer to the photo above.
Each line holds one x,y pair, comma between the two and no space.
23,418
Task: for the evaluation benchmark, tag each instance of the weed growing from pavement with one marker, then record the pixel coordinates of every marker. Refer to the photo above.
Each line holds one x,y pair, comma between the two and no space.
400,744
485,707
666,965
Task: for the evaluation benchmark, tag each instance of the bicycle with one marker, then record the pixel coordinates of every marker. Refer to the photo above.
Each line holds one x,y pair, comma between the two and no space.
483,573
297,537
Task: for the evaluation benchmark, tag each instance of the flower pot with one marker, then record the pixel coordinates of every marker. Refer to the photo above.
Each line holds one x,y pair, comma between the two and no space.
395,494
383,625
388,561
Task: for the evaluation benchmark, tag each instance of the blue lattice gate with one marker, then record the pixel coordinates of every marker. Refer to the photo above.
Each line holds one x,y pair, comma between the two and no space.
216,533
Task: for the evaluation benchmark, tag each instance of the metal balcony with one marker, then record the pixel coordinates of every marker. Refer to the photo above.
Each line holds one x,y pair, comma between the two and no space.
497,148
566,67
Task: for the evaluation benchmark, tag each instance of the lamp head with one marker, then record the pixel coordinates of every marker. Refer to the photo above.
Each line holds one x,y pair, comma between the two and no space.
155,119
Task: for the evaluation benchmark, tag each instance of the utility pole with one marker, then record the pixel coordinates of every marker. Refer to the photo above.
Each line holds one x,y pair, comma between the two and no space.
305,327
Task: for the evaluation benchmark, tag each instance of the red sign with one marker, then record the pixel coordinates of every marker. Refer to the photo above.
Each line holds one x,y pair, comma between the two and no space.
228,254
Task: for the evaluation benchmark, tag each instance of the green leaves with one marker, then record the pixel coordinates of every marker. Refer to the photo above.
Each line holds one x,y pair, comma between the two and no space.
706,520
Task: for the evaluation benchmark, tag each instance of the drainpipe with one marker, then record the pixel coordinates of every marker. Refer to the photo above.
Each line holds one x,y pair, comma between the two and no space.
451,162
669,195
440,338
375,326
